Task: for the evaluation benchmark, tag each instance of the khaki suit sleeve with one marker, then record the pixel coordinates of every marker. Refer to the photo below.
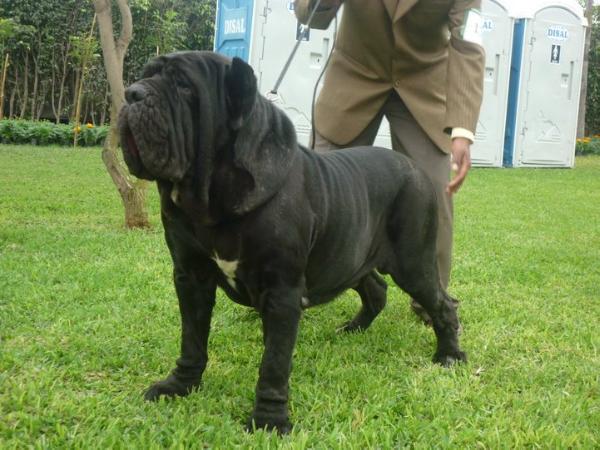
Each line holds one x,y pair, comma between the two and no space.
466,64
320,20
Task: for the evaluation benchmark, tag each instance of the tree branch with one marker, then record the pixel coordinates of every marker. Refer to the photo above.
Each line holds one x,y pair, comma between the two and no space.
126,29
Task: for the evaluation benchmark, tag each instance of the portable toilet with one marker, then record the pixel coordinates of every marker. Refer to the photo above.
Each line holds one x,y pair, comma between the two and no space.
280,32
498,25
233,28
545,90
263,33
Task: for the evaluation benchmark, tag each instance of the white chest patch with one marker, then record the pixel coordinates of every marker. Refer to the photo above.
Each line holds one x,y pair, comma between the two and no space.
175,194
228,268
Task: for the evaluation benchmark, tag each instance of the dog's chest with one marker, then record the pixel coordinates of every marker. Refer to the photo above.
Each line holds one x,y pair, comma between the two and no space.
228,268
223,246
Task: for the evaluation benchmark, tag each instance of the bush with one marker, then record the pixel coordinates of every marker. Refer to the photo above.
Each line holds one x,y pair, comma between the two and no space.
588,146
48,133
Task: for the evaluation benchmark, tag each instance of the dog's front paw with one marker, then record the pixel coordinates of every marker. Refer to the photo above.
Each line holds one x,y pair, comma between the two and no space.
169,387
450,359
351,326
280,426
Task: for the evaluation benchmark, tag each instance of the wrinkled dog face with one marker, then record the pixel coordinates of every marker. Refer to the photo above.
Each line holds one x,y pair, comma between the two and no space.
158,123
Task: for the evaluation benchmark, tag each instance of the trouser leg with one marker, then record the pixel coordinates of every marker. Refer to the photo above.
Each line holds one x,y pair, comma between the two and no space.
409,138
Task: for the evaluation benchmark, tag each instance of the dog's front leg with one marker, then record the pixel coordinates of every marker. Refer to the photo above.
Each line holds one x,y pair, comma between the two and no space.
196,295
280,315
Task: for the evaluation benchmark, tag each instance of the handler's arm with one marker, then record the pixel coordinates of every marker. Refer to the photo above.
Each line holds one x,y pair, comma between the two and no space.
323,16
466,63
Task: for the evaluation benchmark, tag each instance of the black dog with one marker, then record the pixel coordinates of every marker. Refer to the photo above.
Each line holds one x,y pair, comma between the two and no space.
278,227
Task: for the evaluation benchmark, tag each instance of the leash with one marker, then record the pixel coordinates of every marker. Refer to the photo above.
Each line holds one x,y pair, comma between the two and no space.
287,64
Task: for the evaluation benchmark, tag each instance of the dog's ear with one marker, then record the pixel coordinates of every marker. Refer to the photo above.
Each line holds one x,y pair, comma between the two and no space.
264,146
241,90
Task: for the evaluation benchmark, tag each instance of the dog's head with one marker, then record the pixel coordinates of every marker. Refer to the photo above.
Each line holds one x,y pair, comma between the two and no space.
182,100
192,110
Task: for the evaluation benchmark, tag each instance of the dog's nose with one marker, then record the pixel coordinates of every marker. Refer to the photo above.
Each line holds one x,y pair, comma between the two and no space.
135,93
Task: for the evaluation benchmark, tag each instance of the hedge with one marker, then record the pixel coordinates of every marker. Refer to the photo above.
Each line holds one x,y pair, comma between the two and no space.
588,146
48,133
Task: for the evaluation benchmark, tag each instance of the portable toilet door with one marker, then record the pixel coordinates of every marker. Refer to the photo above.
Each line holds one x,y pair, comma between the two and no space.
498,24
550,84
233,28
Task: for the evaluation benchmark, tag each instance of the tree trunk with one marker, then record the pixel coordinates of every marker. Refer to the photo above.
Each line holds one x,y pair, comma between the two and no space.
11,103
36,78
58,110
79,96
589,10
53,87
2,84
63,80
25,87
15,96
75,91
42,102
133,193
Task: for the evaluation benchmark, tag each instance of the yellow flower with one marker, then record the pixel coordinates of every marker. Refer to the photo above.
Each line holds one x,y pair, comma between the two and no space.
76,129
89,125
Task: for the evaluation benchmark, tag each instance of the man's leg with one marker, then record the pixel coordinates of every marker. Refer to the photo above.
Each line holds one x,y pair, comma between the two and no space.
409,138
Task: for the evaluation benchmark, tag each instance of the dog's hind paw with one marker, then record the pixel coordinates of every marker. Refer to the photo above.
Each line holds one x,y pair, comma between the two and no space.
450,359
169,388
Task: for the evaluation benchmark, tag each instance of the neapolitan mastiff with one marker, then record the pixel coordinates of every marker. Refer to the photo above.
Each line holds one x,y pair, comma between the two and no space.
276,226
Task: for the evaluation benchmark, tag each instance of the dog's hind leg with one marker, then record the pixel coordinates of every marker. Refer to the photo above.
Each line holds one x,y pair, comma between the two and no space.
372,290
412,230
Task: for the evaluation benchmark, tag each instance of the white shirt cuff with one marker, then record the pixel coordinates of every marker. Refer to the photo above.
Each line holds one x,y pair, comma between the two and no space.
463,133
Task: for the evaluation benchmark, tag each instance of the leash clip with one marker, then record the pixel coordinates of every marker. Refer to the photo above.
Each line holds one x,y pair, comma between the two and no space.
273,96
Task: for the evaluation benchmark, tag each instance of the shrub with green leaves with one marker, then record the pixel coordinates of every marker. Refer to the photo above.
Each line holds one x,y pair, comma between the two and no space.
47,133
588,146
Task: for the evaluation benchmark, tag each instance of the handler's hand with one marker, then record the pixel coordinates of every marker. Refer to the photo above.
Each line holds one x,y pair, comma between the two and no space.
461,163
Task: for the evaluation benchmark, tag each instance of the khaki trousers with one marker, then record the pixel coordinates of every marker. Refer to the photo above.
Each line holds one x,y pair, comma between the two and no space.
409,138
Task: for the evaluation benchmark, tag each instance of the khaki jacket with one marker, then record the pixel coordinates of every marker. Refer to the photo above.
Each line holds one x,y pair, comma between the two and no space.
417,47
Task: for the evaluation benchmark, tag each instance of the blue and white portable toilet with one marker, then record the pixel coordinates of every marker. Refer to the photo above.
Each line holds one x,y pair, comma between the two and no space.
498,25
545,91
233,27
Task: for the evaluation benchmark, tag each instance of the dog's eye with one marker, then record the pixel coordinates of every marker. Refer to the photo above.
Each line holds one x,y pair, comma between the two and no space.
182,86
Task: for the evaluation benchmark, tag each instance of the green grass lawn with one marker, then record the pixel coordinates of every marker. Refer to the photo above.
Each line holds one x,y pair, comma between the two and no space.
88,319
